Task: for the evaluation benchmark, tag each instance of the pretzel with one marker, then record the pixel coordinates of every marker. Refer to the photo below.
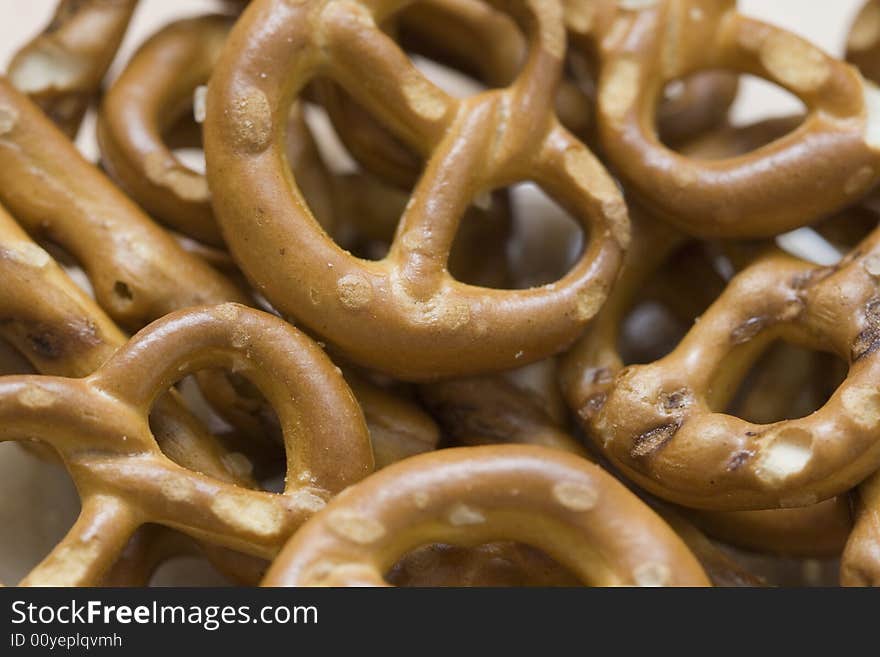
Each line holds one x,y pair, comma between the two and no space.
62,332
822,166
588,372
62,68
473,38
138,272
125,481
860,562
148,98
657,417
556,502
403,315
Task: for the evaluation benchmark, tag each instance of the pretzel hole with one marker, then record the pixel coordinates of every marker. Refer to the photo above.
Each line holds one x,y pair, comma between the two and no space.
487,565
187,571
787,382
760,99
192,158
39,506
247,428
489,52
546,241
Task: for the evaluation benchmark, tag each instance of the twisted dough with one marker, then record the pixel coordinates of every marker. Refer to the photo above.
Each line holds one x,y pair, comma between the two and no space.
557,502
820,167
98,425
403,315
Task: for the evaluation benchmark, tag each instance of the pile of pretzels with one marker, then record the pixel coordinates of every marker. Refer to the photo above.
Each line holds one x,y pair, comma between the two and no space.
455,386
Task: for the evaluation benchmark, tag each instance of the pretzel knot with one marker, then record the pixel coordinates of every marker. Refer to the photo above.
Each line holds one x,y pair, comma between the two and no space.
99,427
658,425
404,315
559,503
820,167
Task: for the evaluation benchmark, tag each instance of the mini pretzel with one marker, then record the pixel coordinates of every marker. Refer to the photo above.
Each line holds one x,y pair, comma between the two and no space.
125,481
148,98
62,68
403,315
556,502
474,38
822,166
138,272
588,372
62,332
657,426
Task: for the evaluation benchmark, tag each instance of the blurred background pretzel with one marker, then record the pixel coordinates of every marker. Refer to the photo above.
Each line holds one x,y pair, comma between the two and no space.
138,272
62,68
564,505
123,478
404,315
822,166
154,92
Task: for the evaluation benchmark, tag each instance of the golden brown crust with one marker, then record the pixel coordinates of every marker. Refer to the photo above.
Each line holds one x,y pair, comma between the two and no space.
557,502
404,315
152,94
124,480
138,271
860,563
775,188
863,44
658,416
493,564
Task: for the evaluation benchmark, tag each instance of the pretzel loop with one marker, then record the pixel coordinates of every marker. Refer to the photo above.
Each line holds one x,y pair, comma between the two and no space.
404,315
657,423
818,168
144,103
559,503
99,427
